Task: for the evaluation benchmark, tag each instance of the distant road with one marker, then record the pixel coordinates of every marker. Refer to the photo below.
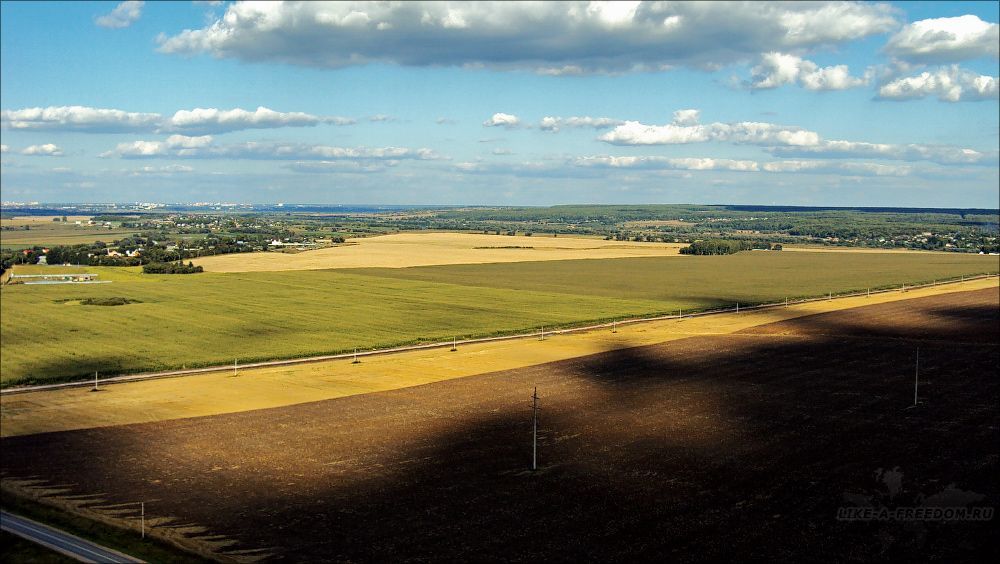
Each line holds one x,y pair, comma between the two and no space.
533,334
61,542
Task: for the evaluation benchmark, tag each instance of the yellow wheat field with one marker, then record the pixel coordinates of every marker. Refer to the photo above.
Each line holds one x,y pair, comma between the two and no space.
425,249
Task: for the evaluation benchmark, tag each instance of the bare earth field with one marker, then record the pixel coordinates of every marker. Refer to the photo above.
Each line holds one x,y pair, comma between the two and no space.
698,449
423,249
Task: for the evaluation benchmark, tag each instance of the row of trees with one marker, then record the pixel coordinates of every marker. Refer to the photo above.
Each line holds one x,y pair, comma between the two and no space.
170,268
725,247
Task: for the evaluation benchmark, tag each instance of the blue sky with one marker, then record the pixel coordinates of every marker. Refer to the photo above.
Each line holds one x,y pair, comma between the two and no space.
508,103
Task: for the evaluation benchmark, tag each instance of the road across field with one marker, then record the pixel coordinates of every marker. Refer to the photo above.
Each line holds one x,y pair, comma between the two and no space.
62,542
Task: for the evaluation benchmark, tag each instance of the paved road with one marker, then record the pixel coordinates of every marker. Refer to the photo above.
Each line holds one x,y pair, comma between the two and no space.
533,334
63,543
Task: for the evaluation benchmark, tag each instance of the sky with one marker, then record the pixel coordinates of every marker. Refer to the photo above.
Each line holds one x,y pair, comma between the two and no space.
508,103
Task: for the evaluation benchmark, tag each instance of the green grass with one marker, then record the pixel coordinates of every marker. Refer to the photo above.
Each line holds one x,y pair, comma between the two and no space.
708,281
126,541
212,318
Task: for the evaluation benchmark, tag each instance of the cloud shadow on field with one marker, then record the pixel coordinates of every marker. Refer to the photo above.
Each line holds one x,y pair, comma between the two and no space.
697,449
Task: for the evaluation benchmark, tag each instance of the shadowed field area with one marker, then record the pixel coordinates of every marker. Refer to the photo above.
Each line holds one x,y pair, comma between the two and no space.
693,450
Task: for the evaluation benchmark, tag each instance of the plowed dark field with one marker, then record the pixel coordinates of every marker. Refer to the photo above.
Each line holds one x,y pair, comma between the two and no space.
730,447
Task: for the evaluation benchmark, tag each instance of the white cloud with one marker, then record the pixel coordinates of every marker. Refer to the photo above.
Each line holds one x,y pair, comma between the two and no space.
212,120
668,163
78,118
846,168
501,119
942,154
776,69
46,150
714,164
124,15
502,151
198,120
687,117
635,133
381,118
546,37
4,149
948,84
946,40
754,133
554,124
203,147
357,167
167,170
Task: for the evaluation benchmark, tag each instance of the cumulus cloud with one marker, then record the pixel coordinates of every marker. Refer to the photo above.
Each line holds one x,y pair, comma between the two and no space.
547,37
203,147
687,117
124,15
78,118
948,84
4,149
46,150
776,69
668,163
942,154
747,132
946,40
554,124
167,170
212,120
501,119
357,167
846,168
198,120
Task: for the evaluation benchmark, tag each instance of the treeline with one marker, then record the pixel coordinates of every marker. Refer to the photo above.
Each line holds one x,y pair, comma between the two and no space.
725,247
171,268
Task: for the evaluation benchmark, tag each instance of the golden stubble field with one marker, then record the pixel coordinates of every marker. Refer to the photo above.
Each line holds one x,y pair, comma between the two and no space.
403,250
222,392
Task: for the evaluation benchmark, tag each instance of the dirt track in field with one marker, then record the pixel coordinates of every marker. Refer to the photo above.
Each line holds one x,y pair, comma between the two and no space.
697,449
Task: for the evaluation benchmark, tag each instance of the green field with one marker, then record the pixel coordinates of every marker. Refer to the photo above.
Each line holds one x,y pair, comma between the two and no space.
708,281
212,318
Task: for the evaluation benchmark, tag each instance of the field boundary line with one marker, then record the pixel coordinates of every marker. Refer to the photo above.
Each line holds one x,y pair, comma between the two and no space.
534,334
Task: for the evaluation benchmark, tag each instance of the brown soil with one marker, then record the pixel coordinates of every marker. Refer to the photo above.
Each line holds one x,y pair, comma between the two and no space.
737,446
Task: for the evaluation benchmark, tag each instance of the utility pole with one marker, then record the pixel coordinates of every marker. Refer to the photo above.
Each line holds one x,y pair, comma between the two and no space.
534,429
614,325
234,367
356,361
541,333
454,343
737,307
96,388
